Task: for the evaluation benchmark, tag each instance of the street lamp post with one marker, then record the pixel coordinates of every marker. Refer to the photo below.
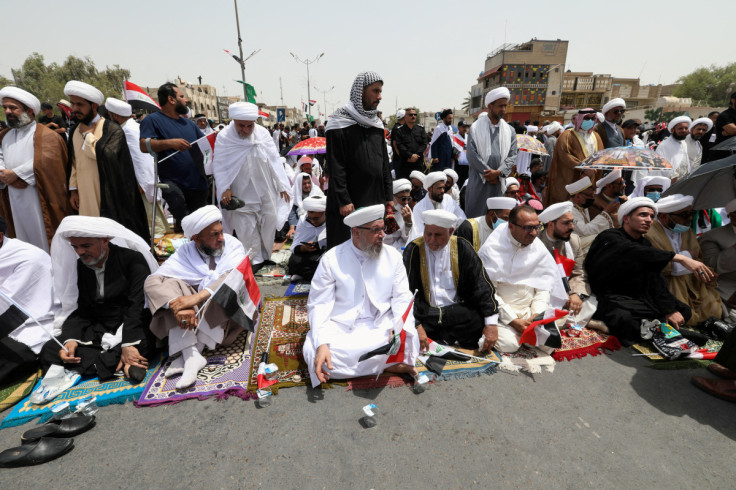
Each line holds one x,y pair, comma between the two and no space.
324,95
308,62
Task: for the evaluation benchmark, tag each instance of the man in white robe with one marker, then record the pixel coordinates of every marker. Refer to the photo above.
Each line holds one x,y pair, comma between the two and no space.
492,150
477,230
674,149
352,309
582,196
203,124
310,239
179,288
436,198
247,166
451,187
25,277
698,128
303,187
122,113
402,216
525,275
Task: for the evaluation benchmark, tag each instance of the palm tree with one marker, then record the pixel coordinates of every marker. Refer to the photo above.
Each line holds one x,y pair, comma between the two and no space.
466,103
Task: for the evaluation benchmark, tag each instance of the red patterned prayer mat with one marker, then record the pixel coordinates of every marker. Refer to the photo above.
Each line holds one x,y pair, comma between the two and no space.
590,342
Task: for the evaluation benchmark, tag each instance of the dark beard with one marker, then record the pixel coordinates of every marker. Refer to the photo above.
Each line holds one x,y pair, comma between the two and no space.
674,135
435,199
18,122
181,108
87,119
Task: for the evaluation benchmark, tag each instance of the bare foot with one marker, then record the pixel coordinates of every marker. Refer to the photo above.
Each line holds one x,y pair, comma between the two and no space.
402,368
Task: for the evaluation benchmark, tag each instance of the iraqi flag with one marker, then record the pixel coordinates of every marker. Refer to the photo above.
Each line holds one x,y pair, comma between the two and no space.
395,346
263,114
207,147
565,266
437,356
312,102
11,317
544,332
239,295
138,98
458,142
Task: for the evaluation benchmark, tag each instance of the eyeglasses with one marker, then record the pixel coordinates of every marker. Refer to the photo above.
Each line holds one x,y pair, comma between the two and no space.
405,199
530,229
619,111
375,230
411,115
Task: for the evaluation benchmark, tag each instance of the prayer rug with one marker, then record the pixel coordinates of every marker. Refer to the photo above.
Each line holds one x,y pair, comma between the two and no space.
14,392
285,322
116,391
659,362
226,374
590,342
298,289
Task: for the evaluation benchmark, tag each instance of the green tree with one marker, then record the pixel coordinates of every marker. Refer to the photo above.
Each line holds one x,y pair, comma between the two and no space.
710,86
47,81
466,102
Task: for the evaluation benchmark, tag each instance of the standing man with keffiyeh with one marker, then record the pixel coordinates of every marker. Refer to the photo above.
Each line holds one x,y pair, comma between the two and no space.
357,157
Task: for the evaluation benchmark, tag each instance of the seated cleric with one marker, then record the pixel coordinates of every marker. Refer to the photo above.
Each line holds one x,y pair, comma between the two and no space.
352,310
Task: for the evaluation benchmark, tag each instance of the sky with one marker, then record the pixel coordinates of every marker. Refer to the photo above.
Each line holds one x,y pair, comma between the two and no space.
429,53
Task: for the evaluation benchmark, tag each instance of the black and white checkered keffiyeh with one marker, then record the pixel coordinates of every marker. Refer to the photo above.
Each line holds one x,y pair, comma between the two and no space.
353,112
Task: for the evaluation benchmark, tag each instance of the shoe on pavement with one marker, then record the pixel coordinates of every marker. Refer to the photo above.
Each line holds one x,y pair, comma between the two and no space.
721,388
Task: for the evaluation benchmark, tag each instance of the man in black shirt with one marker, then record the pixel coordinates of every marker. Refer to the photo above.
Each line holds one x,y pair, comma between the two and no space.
725,127
411,141
53,122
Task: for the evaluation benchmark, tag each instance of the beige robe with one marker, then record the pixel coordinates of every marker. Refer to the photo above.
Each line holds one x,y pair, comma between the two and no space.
703,299
85,175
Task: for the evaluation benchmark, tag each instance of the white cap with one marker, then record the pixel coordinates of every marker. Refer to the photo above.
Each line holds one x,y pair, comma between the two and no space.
501,203
678,120
554,211
532,129
364,215
553,127
509,182
578,185
609,178
85,91
702,120
119,107
613,103
400,114
401,185
451,173
416,174
439,217
497,93
634,203
243,111
316,204
26,98
200,219
675,202
432,178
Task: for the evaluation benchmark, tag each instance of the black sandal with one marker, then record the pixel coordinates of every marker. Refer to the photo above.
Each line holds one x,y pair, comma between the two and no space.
41,451
69,427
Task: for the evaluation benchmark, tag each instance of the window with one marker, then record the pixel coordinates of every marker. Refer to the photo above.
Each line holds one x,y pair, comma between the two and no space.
554,92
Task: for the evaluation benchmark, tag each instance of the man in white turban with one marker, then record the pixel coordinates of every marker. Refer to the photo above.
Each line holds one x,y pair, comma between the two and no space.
582,196
179,288
358,296
491,151
99,271
553,131
401,219
609,195
674,149
247,165
451,187
610,130
456,300
309,239
102,180
436,198
122,113
33,160
698,128
671,232
477,230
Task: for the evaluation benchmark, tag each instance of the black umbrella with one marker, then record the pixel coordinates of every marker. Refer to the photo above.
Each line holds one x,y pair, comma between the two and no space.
712,185
729,144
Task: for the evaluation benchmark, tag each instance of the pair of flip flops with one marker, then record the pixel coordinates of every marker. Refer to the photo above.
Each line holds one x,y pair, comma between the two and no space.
47,442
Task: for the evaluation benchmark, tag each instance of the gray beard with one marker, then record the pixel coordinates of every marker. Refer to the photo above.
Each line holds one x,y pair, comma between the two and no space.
211,252
372,251
23,120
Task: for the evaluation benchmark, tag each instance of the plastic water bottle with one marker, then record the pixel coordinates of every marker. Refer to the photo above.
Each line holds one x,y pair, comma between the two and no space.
421,383
61,411
88,406
265,397
369,415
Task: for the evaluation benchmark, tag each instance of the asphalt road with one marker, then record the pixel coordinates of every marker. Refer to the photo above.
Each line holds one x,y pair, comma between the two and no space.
605,422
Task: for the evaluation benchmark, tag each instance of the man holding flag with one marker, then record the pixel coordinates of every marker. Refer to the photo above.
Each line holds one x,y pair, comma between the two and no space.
172,136
357,303
180,287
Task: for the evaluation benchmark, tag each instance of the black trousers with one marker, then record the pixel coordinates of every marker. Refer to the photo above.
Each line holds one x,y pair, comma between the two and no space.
183,201
727,355
406,168
462,174
17,360
304,264
449,324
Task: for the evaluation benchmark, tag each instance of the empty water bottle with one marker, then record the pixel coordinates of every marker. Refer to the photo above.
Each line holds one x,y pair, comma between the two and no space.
369,415
61,411
265,397
421,383
88,406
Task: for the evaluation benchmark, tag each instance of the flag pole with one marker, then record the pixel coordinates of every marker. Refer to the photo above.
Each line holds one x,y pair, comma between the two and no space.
26,313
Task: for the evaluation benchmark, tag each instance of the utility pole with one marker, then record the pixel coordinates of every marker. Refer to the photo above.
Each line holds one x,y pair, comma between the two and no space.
240,47
281,87
308,62
324,96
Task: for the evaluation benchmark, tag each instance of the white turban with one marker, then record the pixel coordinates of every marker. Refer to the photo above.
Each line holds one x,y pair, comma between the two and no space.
675,202
243,111
644,182
553,127
439,217
635,203
501,203
118,107
703,120
26,98
85,91
497,93
600,116
400,114
432,178
364,215
200,219
315,204
451,173
731,206
416,174
609,178
509,182
401,185
532,129
613,103
578,185
554,211
678,120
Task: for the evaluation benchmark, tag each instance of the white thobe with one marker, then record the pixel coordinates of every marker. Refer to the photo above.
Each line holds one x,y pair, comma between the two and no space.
306,232
353,311
586,227
484,231
426,204
17,155
25,276
694,152
675,152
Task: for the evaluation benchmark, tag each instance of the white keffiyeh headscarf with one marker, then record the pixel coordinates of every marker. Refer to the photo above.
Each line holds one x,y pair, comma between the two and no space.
353,112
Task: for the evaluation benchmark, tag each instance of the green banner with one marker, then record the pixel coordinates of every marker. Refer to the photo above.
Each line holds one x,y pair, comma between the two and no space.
249,90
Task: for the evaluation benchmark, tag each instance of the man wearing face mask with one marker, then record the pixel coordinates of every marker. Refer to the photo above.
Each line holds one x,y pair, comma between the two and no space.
582,196
572,147
652,187
674,149
671,232
610,195
609,130
477,230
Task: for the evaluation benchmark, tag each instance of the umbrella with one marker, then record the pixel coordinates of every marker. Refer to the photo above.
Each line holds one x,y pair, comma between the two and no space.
626,157
729,144
309,147
712,185
530,144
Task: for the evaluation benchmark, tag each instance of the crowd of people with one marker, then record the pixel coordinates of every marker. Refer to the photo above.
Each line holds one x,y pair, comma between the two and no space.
462,224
